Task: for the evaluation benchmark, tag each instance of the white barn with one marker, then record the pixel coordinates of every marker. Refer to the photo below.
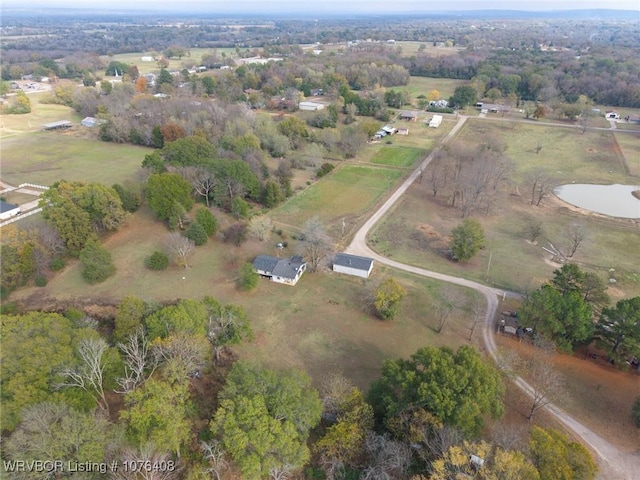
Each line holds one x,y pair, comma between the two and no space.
311,106
353,265
435,121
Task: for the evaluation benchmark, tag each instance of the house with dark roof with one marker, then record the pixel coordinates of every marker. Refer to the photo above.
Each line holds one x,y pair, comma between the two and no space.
8,210
353,265
409,116
280,270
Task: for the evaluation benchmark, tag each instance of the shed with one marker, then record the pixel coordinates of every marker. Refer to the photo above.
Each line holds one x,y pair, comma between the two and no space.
57,125
409,116
8,210
311,106
435,121
353,265
89,122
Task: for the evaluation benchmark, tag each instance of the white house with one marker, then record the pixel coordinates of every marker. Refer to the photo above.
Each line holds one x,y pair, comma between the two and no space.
311,106
435,121
613,115
353,265
8,210
280,270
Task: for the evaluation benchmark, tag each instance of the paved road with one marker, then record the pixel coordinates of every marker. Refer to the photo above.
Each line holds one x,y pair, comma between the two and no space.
615,464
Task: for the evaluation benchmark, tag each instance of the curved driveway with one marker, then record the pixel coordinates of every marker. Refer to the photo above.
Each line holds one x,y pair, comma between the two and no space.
616,465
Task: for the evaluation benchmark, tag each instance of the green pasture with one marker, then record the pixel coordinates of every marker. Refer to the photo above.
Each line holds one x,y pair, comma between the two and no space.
418,229
347,192
423,85
567,154
46,157
41,113
630,145
398,156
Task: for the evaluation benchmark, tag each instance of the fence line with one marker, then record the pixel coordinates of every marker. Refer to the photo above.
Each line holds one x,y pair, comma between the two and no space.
20,216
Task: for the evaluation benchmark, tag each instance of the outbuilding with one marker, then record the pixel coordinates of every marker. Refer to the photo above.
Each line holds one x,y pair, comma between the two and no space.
353,265
311,106
8,210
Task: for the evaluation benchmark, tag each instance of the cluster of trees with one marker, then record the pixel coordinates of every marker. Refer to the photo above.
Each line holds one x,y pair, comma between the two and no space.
77,215
469,176
572,310
60,377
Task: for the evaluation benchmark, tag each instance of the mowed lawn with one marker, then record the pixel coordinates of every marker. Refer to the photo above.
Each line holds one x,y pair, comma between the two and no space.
347,192
398,156
320,325
41,113
46,157
630,145
423,85
418,229
193,58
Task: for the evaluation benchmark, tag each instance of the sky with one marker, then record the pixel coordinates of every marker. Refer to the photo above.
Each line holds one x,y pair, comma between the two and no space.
373,6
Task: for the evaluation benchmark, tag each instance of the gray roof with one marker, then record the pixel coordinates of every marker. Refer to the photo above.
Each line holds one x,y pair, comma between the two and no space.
280,267
266,263
353,261
6,207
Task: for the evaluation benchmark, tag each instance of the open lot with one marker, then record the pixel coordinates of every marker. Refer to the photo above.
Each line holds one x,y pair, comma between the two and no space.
193,58
46,157
423,85
397,156
417,231
41,113
347,192
319,325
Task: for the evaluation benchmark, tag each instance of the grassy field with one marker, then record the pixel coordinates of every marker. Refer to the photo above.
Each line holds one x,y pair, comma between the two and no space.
319,325
630,145
417,230
348,192
413,48
398,156
423,85
41,113
61,155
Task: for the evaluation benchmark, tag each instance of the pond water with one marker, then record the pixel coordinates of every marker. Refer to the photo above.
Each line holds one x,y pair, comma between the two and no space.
613,200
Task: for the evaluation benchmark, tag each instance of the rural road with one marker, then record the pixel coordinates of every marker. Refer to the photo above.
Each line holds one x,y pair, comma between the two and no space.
614,463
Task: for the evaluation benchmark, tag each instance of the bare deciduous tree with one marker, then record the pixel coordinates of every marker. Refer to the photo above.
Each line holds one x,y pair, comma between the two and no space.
541,186
576,233
478,310
179,247
183,351
315,243
202,180
146,455
443,309
261,227
282,472
89,375
137,359
215,456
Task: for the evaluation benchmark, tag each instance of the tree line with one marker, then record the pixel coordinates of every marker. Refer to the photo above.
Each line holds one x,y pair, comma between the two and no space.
138,387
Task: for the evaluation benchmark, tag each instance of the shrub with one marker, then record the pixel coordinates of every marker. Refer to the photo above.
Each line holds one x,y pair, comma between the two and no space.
40,281
248,277
466,240
97,264
205,218
239,208
57,263
236,234
130,200
157,261
635,412
324,169
197,234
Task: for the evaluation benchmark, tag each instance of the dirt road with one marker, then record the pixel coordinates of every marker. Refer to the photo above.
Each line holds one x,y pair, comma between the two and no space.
614,463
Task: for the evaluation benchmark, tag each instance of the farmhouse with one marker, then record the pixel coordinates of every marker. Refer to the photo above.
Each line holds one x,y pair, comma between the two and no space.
280,270
409,116
8,210
435,121
352,265
311,106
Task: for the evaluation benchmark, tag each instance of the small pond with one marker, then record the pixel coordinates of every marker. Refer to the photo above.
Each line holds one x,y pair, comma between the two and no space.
613,200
